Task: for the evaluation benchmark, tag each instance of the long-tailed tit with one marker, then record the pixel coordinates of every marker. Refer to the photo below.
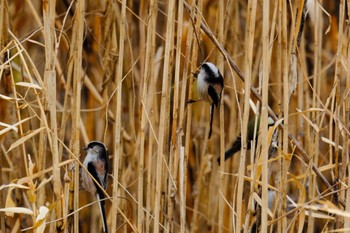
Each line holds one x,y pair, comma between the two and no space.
209,87
96,162
237,144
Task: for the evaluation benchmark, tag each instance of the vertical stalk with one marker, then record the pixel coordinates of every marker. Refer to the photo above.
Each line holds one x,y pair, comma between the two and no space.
49,14
220,63
3,41
339,172
164,115
149,64
346,118
118,115
76,54
248,64
285,141
175,145
317,89
264,114
194,59
185,149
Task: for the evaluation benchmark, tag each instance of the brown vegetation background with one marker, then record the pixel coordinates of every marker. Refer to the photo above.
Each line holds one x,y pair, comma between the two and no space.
122,72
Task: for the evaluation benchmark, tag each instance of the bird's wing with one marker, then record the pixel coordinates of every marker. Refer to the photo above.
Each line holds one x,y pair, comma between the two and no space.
213,95
92,169
106,170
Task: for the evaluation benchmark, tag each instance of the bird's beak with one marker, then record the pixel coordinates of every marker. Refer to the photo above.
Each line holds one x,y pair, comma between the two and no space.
85,148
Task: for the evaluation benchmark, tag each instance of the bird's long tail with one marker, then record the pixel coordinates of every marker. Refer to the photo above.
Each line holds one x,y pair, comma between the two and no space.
236,146
211,119
101,205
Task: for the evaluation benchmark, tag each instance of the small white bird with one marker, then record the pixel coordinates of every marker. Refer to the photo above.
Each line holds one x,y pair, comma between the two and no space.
210,84
96,162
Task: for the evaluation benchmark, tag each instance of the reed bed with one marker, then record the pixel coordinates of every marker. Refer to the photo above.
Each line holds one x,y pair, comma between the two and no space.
122,72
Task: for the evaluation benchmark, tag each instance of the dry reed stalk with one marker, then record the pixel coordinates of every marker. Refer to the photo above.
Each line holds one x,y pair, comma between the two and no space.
315,102
346,118
175,145
235,117
339,175
163,133
153,139
169,183
193,61
264,114
185,149
249,40
49,14
148,69
290,87
220,61
76,56
284,76
71,205
3,40
271,171
118,112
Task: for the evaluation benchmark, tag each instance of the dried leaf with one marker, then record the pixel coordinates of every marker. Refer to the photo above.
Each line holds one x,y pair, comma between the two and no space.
326,208
315,215
31,192
44,182
9,127
301,201
25,138
17,210
330,142
29,85
9,203
310,110
12,185
40,222
293,76
6,97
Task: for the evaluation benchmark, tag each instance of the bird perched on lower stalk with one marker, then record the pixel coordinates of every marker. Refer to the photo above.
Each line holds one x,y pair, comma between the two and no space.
237,144
210,84
96,162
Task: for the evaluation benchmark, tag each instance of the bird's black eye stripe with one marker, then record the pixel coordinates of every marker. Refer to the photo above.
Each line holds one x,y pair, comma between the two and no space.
212,78
209,71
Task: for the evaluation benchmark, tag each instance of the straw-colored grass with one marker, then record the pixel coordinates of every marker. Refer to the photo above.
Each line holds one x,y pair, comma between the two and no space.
122,72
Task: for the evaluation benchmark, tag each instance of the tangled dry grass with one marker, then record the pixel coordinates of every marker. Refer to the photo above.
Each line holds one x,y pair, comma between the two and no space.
122,71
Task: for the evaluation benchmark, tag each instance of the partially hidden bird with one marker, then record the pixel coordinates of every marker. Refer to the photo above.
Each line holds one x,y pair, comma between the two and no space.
96,162
237,144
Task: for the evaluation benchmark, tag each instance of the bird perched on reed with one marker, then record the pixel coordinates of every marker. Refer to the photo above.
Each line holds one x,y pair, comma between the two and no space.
237,144
96,162
210,84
